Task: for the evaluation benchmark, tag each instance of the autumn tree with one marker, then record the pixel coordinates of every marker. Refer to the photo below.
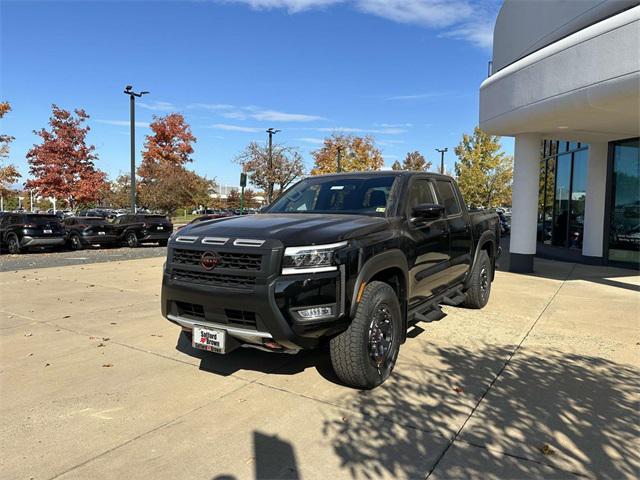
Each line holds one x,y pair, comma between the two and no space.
250,200
8,173
484,172
119,194
165,182
233,199
357,154
63,164
286,166
414,161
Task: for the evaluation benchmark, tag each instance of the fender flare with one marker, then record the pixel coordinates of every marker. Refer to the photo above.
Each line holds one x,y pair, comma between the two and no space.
486,237
389,259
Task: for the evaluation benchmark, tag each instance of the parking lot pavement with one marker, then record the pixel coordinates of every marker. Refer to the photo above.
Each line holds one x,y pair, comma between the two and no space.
94,383
49,258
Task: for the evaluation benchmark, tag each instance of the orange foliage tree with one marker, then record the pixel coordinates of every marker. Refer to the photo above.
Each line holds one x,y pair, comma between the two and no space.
63,164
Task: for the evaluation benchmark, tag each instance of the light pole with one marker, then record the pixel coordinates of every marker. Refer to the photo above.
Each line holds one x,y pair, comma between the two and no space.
271,132
128,90
442,150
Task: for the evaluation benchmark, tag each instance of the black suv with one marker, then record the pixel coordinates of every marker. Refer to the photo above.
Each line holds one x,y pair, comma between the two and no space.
20,231
353,259
142,228
85,231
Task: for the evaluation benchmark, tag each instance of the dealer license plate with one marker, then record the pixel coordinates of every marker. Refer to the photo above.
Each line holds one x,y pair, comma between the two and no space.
47,231
210,339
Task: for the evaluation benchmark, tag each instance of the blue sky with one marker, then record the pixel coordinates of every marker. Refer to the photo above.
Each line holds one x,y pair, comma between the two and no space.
405,71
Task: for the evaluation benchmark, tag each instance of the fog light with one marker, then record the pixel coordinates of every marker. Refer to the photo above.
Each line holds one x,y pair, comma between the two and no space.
316,312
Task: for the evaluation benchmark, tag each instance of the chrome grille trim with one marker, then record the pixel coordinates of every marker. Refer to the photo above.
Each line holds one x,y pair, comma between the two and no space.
247,242
186,239
214,240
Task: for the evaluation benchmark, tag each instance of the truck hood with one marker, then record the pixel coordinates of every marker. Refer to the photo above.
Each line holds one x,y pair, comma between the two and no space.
294,229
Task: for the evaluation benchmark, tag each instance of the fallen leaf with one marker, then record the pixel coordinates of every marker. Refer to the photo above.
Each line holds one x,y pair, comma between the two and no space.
105,339
47,364
28,334
547,450
113,323
101,345
67,316
458,389
107,365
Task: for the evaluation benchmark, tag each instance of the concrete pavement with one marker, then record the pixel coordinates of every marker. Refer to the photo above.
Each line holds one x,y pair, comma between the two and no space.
94,383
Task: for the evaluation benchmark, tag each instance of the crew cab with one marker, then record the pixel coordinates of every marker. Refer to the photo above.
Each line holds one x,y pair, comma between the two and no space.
22,231
353,259
85,231
136,229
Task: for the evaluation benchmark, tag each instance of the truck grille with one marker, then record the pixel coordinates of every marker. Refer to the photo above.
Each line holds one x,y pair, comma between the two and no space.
232,260
214,279
241,318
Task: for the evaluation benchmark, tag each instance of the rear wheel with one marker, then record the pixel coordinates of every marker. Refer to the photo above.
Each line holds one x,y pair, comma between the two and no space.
480,282
364,355
75,242
132,240
13,244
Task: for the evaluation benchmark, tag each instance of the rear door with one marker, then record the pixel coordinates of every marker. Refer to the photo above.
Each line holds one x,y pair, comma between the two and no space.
428,244
461,241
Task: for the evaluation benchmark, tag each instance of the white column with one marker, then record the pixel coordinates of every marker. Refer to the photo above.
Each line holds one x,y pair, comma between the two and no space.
524,217
594,206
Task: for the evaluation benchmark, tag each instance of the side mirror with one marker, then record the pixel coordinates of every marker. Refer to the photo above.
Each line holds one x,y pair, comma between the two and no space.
428,211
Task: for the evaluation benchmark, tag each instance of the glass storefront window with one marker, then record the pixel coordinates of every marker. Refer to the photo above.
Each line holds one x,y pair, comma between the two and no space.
578,197
624,230
561,208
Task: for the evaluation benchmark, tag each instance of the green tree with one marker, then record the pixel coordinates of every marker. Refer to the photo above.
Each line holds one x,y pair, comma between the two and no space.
484,172
357,154
286,166
414,161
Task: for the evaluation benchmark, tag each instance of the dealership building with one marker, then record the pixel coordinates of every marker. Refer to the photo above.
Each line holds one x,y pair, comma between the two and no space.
565,82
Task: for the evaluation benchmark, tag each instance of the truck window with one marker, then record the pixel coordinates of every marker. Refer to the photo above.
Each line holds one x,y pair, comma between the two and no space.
419,193
448,198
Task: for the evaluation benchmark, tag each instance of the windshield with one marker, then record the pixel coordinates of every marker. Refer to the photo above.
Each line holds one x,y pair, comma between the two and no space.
357,195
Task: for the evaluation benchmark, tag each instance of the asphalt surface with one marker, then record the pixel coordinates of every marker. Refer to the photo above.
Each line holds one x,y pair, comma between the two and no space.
47,259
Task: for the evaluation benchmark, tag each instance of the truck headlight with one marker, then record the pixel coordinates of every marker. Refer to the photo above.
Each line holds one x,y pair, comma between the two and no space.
311,259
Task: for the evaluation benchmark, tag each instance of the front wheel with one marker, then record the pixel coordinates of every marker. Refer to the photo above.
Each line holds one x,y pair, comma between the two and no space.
75,242
480,282
364,355
132,240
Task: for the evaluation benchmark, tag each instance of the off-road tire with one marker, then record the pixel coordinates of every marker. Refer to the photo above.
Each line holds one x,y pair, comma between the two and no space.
75,243
13,244
479,289
131,239
349,351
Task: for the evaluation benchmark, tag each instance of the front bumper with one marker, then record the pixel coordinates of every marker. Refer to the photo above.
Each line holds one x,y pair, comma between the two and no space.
154,237
28,241
260,313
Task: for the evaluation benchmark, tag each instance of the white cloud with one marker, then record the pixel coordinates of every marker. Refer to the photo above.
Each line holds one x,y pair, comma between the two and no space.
390,143
123,123
383,131
314,140
470,20
157,106
394,125
235,128
251,111
418,96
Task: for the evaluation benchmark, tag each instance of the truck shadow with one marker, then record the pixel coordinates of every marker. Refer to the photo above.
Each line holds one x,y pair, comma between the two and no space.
250,359
549,409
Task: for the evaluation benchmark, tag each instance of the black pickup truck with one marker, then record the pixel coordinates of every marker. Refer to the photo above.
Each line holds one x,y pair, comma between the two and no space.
140,228
354,259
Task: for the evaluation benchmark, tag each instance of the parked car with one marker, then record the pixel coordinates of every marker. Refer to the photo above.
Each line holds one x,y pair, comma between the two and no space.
350,259
134,229
21,231
84,231
505,224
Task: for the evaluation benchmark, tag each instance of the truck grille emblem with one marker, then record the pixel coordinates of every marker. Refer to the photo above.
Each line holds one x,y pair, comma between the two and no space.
209,260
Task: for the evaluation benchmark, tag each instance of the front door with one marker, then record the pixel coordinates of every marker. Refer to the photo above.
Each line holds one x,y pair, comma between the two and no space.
429,242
